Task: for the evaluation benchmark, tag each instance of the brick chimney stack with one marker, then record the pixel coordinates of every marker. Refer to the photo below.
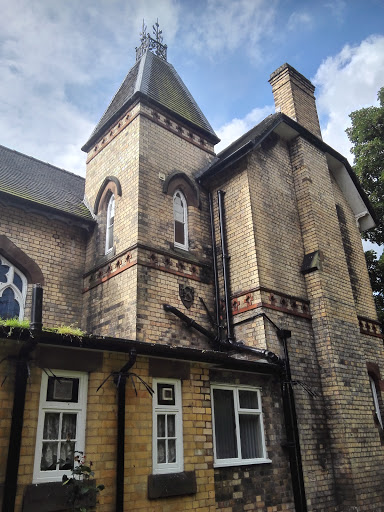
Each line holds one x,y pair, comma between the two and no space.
294,96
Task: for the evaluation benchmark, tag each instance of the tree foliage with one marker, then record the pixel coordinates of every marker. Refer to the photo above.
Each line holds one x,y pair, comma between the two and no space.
376,275
367,137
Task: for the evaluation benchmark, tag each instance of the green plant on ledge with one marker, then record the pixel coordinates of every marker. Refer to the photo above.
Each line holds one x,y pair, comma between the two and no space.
82,491
24,324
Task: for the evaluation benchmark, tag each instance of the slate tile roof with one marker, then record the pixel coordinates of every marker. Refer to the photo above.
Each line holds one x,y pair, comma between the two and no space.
241,145
41,183
157,80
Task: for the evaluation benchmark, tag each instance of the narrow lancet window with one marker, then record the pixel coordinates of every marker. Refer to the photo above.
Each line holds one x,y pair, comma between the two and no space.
180,216
110,223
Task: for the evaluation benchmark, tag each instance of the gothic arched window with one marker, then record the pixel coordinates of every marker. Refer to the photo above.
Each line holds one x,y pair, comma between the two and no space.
110,223
180,217
13,290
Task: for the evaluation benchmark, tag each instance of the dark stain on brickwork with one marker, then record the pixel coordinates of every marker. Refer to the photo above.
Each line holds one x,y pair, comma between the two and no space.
348,250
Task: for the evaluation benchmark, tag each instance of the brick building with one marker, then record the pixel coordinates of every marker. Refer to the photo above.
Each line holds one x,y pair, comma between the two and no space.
232,353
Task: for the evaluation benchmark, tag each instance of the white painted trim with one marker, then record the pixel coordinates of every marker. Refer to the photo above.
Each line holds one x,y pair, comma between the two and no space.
80,408
375,400
183,246
239,461
110,227
178,466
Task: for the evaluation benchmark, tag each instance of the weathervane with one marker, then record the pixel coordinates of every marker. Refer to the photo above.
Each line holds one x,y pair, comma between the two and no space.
152,43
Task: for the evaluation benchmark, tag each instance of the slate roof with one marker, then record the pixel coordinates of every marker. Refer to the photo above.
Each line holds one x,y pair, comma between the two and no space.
240,146
43,184
156,79
250,140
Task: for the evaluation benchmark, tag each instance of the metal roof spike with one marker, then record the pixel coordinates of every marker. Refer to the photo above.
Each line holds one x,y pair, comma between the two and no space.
154,44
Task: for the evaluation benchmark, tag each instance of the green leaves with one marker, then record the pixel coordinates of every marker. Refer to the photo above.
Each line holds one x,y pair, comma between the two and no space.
367,137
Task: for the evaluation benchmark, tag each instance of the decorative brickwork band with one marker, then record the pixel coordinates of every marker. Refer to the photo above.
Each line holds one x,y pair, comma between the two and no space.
159,118
270,299
370,327
109,270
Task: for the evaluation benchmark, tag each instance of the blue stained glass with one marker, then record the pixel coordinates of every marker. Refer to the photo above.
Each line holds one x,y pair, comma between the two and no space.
18,282
3,273
9,307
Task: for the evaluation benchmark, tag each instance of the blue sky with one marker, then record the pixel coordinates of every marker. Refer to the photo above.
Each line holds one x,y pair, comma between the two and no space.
61,61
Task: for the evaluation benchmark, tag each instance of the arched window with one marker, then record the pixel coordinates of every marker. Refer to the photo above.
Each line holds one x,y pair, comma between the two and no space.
180,217
13,290
110,222
375,400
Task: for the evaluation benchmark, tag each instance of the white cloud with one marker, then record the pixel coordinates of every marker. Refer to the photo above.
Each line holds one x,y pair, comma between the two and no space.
337,9
51,56
346,82
224,26
299,21
231,131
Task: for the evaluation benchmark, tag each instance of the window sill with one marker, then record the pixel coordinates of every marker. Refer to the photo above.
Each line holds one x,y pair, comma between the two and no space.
247,462
171,484
53,497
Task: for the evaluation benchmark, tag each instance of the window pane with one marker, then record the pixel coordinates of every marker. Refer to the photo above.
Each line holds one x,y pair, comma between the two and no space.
171,425
18,282
51,425
9,307
49,457
161,425
161,451
225,429
3,273
248,399
68,428
67,451
172,450
250,435
179,232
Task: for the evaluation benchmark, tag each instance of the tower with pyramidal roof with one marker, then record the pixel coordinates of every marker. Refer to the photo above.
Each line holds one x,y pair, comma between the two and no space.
149,143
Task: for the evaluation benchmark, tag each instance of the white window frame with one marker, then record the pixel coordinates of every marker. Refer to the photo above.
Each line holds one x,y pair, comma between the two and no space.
110,226
80,407
176,410
184,245
20,296
375,400
239,461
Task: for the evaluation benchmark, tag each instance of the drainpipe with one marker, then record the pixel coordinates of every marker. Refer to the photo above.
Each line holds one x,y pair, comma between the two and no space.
225,258
292,430
215,273
120,379
20,387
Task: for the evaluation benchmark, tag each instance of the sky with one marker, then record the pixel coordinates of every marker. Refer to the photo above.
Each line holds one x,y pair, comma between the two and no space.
61,62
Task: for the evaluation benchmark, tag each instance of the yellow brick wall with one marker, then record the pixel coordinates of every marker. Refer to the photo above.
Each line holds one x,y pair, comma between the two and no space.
58,249
101,440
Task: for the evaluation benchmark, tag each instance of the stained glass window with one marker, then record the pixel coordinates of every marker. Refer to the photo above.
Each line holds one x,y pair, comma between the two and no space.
13,289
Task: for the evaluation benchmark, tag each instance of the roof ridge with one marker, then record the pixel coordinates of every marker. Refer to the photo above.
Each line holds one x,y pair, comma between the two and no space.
95,130
236,141
42,162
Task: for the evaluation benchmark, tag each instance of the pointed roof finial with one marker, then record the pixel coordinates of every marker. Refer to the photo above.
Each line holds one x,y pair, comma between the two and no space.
143,33
157,33
152,43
